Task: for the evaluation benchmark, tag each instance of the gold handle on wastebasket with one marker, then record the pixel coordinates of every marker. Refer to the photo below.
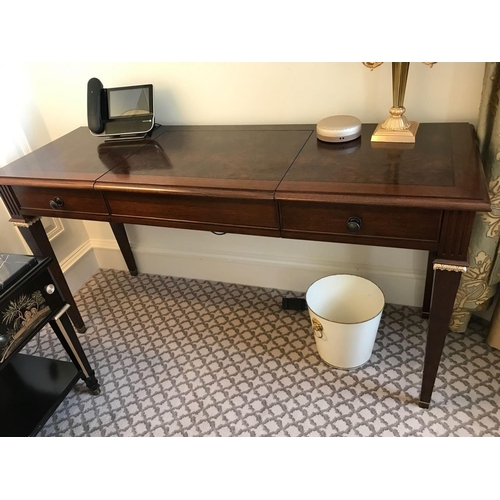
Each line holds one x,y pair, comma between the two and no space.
317,327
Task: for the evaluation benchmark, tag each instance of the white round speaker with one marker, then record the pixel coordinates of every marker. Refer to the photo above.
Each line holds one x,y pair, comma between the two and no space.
339,128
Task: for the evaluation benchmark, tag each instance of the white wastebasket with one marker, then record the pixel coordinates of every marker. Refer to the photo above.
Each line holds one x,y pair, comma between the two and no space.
345,312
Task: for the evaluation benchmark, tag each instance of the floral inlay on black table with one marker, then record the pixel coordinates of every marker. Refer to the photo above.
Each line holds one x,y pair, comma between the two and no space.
25,311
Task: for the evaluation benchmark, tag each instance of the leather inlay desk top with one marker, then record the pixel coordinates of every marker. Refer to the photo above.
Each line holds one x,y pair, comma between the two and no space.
288,162
440,168
229,158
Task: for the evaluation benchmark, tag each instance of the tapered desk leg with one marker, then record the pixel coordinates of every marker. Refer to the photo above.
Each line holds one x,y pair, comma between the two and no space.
36,238
429,279
123,243
446,281
67,336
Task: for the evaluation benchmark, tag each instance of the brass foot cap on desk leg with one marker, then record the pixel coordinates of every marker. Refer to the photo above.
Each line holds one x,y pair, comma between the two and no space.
423,404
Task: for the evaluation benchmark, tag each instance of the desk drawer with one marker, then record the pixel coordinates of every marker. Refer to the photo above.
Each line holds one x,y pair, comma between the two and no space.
307,220
195,211
73,200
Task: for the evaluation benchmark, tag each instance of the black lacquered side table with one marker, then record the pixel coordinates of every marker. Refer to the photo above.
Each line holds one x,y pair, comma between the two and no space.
32,387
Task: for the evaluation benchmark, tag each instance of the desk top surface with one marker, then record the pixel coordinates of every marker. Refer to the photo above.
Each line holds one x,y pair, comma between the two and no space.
441,170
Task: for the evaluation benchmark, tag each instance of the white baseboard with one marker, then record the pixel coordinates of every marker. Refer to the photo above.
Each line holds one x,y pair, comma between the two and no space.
400,286
79,266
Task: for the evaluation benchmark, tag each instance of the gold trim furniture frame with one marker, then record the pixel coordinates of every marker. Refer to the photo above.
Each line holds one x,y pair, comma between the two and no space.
275,181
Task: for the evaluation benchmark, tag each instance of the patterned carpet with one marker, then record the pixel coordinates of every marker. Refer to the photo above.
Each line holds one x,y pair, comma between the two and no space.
178,357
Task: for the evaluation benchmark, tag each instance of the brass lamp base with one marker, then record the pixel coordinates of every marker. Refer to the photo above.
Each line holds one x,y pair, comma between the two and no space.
383,135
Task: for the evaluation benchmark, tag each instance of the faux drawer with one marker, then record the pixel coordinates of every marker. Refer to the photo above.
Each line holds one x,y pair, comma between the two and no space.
74,200
415,224
193,210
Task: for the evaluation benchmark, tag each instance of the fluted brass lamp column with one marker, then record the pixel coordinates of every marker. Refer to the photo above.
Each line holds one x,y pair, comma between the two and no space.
396,128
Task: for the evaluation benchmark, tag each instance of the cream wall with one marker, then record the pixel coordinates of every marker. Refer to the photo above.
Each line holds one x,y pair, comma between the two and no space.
54,103
254,93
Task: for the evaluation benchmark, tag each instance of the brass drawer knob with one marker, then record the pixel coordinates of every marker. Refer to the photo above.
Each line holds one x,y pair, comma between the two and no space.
56,203
353,224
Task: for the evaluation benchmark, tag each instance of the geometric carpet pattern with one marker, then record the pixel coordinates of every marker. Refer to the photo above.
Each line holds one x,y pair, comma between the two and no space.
180,357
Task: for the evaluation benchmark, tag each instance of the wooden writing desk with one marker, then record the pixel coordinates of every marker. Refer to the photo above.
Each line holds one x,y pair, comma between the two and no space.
275,181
